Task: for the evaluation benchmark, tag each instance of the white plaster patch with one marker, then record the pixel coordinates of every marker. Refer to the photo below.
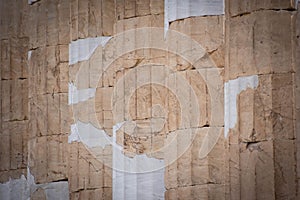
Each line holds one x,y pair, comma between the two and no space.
82,49
136,186
180,9
135,178
89,135
74,136
231,90
15,189
29,55
166,20
76,96
56,190
23,188
139,177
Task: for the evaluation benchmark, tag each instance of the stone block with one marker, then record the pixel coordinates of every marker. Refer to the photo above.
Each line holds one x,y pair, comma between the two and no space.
285,168
234,171
18,61
236,7
5,147
108,17
283,106
41,25
156,7
138,22
264,168
5,59
96,177
246,114
106,94
38,159
95,18
216,191
52,75
57,154
64,22
18,143
83,168
199,89
250,49
66,117
75,195
5,176
83,16
216,158
120,9
107,176
184,161
38,72
213,78
53,114
19,99
129,9
142,7
200,168
41,114
4,26
6,87
191,192
170,159
32,29
199,29
73,167
52,23
107,193
63,77
263,125
63,53
74,15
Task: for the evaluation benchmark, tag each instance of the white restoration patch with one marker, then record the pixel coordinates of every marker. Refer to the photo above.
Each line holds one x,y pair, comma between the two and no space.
29,54
136,178
76,96
140,177
180,9
23,188
82,49
231,90
89,135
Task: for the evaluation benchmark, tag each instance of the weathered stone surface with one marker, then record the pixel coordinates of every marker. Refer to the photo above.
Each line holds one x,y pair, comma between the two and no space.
236,7
131,8
258,160
250,49
209,191
284,165
198,29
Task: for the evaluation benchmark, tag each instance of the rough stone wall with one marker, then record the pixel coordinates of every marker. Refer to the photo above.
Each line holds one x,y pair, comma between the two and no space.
14,92
254,47
262,41
34,110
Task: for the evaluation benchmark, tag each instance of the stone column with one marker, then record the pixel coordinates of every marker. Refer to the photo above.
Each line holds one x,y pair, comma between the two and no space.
260,103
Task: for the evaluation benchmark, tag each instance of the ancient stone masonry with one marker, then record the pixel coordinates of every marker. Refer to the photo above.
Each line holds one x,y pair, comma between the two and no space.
262,41
149,99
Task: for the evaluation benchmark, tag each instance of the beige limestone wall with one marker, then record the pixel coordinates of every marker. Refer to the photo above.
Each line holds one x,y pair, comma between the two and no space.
261,41
258,158
14,93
